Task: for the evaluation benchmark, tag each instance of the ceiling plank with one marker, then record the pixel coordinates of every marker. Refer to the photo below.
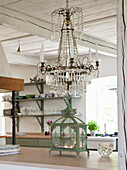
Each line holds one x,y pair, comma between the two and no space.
43,29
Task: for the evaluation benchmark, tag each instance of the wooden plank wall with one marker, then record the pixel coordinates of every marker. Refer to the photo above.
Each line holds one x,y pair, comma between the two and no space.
122,82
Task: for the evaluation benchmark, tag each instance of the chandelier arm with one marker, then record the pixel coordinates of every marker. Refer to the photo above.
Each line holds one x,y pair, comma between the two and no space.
43,72
48,68
96,68
85,58
91,68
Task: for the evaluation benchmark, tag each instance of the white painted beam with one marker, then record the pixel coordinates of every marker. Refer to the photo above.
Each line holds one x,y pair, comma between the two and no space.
26,23
122,82
20,59
103,46
43,29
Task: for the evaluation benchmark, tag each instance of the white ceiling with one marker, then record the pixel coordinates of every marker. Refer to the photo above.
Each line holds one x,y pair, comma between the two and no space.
99,22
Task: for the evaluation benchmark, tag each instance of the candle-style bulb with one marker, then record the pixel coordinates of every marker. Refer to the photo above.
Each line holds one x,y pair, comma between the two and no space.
42,53
97,52
89,54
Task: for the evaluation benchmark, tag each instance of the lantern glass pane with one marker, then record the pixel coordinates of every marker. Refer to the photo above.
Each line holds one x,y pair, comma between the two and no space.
82,138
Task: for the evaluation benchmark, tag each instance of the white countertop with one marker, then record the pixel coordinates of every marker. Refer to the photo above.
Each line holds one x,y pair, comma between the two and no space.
99,138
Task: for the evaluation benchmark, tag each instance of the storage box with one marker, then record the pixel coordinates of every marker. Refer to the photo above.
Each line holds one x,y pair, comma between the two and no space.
8,112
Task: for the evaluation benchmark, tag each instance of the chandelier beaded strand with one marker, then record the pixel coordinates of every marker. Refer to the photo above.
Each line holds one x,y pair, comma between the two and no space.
69,75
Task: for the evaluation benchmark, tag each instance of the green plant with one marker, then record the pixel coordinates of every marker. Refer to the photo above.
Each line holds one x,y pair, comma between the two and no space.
92,125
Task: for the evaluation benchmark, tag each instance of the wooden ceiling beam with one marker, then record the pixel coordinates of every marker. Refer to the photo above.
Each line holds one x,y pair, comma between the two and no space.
43,29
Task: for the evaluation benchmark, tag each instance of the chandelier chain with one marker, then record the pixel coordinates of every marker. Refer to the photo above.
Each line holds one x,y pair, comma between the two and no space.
67,4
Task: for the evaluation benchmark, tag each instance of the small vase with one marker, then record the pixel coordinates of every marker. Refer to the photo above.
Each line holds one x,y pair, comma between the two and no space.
47,131
92,133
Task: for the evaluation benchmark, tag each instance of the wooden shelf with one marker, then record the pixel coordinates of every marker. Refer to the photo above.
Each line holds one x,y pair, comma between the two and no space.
34,83
48,98
45,98
26,116
60,114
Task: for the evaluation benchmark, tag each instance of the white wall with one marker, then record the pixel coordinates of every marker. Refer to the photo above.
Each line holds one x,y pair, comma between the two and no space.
24,72
107,68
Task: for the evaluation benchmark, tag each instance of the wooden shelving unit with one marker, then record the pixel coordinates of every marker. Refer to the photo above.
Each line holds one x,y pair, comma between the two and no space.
40,102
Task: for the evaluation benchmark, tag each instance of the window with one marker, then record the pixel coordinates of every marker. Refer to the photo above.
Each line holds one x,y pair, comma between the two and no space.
101,103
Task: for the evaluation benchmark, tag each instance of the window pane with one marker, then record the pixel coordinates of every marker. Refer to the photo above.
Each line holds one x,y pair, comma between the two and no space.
101,103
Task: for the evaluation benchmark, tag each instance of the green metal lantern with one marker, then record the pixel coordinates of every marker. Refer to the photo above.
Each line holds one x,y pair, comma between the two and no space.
69,133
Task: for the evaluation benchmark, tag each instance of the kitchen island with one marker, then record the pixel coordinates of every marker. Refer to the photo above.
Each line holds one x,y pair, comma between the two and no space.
39,157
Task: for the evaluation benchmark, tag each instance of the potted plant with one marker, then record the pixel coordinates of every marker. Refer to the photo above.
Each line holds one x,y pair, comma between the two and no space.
92,126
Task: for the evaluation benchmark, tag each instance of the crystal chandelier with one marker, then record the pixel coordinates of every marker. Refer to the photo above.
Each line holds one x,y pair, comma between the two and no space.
69,75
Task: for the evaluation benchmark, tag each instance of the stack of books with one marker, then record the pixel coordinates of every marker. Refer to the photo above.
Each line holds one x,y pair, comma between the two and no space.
9,150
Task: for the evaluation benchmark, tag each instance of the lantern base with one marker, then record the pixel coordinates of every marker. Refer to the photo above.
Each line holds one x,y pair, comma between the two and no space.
77,152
